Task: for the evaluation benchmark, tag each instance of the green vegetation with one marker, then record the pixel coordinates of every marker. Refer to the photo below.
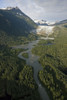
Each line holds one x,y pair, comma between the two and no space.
26,77
15,40
25,55
16,78
15,25
15,29
54,62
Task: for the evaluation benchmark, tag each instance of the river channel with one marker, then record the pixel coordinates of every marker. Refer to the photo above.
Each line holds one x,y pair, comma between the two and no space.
32,60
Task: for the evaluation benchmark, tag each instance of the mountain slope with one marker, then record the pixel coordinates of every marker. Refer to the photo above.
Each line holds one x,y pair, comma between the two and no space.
61,22
15,26
14,22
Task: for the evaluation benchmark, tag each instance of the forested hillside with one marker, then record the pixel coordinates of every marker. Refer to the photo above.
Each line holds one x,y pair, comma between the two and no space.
53,58
61,22
16,78
14,26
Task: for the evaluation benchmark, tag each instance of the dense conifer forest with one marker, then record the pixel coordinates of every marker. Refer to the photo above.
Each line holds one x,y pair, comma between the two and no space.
16,78
53,58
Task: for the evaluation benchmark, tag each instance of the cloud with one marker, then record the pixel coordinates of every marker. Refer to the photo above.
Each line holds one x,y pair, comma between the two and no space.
52,5
54,9
40,9
31,9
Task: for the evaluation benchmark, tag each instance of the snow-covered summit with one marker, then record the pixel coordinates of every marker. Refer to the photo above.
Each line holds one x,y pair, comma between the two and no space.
9,8
40,21
43,22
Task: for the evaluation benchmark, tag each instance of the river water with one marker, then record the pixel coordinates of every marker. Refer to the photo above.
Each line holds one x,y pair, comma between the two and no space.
32,60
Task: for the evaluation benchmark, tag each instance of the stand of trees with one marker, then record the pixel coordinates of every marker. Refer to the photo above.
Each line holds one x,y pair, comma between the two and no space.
16,78
25,55
54,62
6,39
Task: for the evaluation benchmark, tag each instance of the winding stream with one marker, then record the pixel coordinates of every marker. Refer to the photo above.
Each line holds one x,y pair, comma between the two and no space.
32,60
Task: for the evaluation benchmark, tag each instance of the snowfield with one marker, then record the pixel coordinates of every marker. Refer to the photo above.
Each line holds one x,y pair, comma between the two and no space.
45,29
42,30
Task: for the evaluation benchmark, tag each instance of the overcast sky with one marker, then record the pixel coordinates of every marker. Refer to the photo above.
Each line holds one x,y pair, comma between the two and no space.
50,10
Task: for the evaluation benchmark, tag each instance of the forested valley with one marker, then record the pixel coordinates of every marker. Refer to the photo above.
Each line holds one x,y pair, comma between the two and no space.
53,58
17,81
16,78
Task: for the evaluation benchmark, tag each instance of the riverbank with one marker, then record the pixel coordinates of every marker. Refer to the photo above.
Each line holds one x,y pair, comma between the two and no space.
32,60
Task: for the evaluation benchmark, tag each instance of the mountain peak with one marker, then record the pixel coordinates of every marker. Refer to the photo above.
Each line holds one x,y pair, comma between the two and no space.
9,8
14,22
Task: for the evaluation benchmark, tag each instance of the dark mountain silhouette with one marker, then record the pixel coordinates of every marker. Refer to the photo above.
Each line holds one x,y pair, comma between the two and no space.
14,22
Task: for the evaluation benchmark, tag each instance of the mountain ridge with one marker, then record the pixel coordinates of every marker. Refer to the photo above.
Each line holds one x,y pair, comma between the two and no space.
47,23
14,25
15,19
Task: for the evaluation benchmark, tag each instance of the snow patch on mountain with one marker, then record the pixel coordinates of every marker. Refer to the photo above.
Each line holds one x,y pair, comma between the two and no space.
45,30
44,27
9,8
43,22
